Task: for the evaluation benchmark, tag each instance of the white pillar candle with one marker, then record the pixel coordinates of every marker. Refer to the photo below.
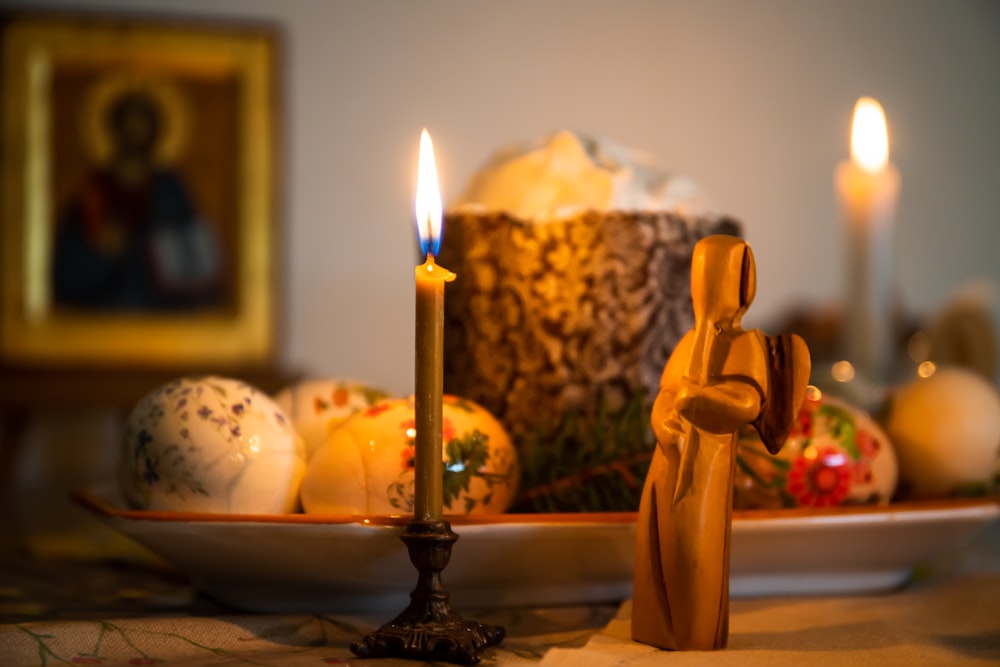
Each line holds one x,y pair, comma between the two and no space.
868,189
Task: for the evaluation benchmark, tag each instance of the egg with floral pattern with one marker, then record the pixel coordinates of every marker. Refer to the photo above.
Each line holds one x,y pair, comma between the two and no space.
318,406
835,455
367,465
211,444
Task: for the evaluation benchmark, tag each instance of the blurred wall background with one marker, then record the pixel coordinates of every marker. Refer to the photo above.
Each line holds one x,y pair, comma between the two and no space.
751,99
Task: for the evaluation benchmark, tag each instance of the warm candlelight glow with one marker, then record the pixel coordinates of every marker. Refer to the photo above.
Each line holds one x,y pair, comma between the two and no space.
868,189
926,369
869,137
428,202
842,371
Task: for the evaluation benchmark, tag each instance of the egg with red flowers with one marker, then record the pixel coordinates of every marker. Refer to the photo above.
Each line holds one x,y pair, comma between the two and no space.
317,406
835,455
367,464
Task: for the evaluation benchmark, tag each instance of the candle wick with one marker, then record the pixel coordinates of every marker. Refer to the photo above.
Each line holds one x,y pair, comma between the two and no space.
427,240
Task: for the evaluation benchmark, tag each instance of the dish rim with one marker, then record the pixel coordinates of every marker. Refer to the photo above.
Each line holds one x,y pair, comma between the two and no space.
984,507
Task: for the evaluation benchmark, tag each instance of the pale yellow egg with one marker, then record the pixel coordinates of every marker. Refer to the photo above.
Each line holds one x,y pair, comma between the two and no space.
946,430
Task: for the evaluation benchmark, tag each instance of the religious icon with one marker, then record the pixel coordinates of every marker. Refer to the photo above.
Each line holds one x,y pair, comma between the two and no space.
131,236
718,378
137,193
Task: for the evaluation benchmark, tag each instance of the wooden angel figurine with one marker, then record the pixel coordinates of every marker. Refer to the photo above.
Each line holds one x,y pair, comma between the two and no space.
718,379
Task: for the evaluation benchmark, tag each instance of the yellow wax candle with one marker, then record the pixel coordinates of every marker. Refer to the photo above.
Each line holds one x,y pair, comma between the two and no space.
429,342
429,471
868,189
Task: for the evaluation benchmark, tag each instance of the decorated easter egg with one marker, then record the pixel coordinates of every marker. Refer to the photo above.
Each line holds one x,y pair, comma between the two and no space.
366,465
211,444
316,407
835,455
946,429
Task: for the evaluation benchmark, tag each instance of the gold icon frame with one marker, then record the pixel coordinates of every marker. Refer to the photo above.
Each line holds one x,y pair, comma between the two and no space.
240,63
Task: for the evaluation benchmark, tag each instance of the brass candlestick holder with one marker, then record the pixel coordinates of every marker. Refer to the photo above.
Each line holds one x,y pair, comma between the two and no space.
428,629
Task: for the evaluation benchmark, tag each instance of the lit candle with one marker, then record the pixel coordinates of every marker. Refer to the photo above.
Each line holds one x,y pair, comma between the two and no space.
868,188
428,491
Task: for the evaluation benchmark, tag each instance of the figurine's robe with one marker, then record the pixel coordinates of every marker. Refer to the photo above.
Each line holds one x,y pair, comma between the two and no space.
681,594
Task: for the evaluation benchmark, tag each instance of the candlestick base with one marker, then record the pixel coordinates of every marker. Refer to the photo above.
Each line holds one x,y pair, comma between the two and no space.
428,629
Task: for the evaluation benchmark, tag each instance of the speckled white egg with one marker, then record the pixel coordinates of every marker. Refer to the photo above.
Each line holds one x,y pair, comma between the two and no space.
367,465
835,455
946,429
211,444
318,406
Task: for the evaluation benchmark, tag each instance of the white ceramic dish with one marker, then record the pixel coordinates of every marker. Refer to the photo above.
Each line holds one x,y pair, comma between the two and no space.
312,563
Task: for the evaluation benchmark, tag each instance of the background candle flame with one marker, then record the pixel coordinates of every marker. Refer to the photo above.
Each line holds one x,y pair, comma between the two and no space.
869,137
428,202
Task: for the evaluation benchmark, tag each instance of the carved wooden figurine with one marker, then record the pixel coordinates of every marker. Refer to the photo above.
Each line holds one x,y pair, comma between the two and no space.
718,379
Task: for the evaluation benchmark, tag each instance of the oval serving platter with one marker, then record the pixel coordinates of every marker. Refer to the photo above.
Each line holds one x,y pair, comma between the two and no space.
338,563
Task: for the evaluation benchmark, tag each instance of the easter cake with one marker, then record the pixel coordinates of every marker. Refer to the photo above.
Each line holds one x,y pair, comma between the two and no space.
573,259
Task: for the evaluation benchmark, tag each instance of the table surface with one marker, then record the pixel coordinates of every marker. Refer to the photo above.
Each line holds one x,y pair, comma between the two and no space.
71,612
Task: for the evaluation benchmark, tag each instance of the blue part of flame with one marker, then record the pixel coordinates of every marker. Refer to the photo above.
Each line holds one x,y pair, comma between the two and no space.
429,244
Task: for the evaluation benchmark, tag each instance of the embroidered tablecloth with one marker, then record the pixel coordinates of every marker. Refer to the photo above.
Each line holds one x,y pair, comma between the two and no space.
65,613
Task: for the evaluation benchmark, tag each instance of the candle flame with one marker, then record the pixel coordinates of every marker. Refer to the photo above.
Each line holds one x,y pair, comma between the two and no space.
869,137
428,203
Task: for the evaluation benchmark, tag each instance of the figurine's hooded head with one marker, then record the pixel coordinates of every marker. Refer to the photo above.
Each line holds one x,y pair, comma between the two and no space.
723,279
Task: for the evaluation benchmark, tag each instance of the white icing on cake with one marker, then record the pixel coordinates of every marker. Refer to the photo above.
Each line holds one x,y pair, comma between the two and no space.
568,173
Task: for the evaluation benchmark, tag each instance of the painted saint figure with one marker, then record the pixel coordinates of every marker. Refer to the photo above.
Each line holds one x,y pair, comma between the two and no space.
131,238
718,379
